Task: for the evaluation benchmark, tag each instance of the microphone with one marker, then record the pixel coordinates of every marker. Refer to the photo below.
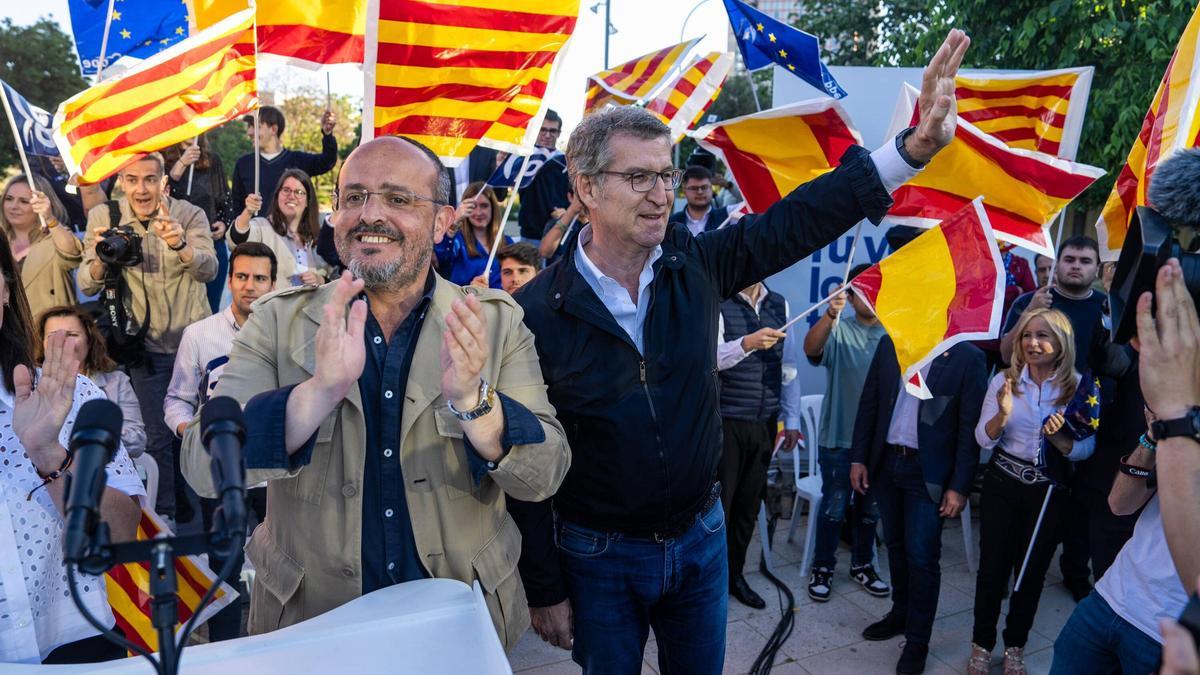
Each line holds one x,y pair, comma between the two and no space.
223,431
93,443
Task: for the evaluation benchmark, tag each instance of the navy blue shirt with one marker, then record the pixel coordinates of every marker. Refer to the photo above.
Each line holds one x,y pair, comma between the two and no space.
1087,320
389,552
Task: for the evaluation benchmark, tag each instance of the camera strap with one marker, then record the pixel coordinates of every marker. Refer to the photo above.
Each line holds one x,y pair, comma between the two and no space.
116,289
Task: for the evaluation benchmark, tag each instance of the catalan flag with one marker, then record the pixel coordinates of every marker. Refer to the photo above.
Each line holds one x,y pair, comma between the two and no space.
637,79
684,102
1032,111
308,33
1172,123
452,72
175,95
1023,190
818,132
128,588
944,287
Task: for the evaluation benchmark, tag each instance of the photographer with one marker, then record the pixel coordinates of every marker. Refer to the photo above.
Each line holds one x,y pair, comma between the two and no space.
158,255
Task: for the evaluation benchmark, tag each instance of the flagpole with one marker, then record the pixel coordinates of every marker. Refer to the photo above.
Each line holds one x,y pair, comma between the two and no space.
814,308
257,151
1033,539
1062,217
328,92
512,197
12,122
853,248
104,41
753,90
191,170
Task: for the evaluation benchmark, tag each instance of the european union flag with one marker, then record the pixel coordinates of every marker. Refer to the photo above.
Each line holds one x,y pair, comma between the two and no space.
139,28
764,40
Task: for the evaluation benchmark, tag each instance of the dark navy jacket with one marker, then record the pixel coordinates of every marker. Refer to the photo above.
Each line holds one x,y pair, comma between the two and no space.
948,452
644,430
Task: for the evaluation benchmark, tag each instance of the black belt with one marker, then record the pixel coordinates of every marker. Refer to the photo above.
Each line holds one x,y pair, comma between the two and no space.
903,450
677,527
1018,469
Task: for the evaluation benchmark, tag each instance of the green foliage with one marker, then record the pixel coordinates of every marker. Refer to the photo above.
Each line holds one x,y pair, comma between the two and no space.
303,109
1129,42
39,62
229,141
735,100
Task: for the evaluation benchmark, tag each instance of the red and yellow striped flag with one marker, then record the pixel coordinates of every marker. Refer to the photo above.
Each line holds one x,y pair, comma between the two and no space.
817,132
305,32
452,72
1023,190
684,102
1032,111
634,80
944,287
177,94
129,590
1172,123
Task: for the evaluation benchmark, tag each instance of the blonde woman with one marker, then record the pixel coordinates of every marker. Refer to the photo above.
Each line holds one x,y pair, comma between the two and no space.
46,258
1022,422
463,252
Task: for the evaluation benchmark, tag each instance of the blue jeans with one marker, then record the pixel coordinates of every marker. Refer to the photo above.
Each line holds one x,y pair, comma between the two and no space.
835,501
1095,641
912,530
150,380
620,587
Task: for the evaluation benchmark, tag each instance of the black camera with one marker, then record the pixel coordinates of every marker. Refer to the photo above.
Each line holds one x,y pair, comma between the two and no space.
1168,229
120,246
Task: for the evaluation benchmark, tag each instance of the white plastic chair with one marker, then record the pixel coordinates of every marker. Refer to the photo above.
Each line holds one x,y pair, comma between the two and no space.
808,488
147,470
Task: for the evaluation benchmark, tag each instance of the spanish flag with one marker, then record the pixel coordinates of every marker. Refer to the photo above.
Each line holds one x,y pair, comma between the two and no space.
1023,190
635,80
177,94
944,287
1172,123
308,33
684,102
450,73
129,590
817,132
1039,111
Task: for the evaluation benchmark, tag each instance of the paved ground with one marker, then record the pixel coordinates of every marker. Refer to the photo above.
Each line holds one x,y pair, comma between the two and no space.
827,637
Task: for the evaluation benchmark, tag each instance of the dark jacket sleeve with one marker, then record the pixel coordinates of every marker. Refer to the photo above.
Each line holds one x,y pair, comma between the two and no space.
540,569
326,246
237,195
868,409
809,218
220,188
973,389
318,164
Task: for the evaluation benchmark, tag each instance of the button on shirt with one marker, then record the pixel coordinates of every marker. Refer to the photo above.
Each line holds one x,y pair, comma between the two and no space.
36,612
1022,435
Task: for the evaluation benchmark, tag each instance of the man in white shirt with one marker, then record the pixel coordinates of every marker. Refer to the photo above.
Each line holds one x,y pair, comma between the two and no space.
203,353
700,214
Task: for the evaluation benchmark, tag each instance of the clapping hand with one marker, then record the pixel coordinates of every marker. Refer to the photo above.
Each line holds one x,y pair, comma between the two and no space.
464,352
39,413
341,353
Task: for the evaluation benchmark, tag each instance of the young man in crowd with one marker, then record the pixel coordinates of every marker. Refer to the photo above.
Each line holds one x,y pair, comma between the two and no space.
750,360
519,262
166,290
700,214
274,159
625,326
203,354
1042,265
548,190
844,347
918,459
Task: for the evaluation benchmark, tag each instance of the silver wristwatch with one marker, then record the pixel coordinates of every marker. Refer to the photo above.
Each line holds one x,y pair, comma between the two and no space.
487,396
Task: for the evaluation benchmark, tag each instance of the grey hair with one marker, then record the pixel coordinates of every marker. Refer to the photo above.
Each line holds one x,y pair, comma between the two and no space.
589,152
1175,189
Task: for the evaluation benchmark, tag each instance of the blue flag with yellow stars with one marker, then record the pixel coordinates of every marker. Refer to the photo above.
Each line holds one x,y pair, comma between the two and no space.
1082,414
139,28
764,41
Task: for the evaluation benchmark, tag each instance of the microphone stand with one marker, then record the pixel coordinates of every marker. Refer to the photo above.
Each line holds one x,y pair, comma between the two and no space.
102,555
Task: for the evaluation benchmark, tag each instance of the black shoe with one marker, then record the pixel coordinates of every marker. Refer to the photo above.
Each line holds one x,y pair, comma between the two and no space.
741,590
820,584
912,659
870,581
885,629
1079,588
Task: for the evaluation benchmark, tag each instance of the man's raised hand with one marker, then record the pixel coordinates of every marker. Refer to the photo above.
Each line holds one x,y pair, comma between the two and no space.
939,114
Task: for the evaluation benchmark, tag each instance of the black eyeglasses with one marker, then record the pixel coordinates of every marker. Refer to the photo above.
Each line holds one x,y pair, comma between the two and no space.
644,181
395,200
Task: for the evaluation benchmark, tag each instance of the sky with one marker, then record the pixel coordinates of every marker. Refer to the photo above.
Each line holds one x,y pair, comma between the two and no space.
642,26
